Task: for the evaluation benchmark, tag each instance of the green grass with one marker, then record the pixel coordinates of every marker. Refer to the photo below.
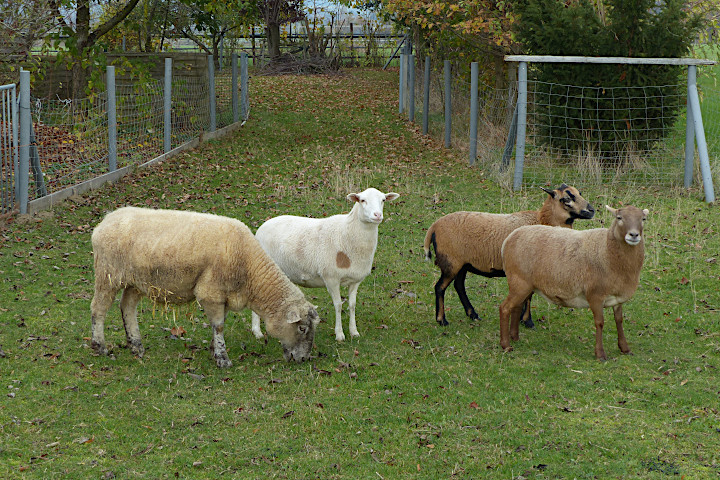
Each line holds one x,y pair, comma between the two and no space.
408,399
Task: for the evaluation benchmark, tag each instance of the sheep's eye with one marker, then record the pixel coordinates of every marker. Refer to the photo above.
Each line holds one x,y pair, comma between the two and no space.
303,329
572,197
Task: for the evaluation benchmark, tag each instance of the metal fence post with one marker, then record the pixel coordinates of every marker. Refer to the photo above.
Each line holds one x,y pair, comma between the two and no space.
234,87
211,92
694,101
25,125
112,119
411,87
15,139
448,105
474,72
244,103
521,124
167,105
689,137
426,96
402,84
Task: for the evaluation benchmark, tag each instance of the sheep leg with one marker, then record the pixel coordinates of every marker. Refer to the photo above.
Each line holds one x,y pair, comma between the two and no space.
596,307
352,298
527,314
256,326
216,313
440,288
622,341
505,313
510,312
462,294
128,309
333,289
101,302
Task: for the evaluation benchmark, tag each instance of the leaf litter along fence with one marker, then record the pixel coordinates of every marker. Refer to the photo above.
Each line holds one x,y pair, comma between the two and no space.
637,140
75,145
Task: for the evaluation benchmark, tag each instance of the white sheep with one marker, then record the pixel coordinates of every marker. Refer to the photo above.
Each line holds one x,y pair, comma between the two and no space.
327,252
579,269
177,257
471,242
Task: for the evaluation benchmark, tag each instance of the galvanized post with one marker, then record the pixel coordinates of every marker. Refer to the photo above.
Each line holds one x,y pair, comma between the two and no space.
234,87
402,83
426,96
167,106
211,92
521,124
694,101
689,139
411,87
244,97
25,125
474,72
448,105
112,119
15,134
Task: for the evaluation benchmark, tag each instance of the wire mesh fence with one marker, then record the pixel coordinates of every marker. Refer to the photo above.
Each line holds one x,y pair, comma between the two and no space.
67,145
586,135
70,139
8,146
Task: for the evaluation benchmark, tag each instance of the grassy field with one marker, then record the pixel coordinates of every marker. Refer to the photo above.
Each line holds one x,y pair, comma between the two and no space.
408,399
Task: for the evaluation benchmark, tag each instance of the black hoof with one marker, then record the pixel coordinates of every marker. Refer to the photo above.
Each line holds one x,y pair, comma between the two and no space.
529,323
443,323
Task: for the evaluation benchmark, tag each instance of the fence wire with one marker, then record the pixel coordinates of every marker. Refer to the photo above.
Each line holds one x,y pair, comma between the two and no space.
71,136
191,109
140,122
585,135
8,148
69,141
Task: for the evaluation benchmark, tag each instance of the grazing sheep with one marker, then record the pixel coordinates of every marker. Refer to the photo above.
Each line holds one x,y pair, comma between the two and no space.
177,257
327,252
579,269
471,241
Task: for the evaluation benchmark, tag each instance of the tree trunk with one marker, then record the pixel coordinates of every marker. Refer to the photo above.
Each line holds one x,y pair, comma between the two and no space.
273,36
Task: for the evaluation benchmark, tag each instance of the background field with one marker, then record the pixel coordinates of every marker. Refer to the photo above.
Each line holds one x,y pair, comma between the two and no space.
408,399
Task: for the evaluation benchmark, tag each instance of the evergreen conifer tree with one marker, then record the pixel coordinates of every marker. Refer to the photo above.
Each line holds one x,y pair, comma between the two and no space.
627,105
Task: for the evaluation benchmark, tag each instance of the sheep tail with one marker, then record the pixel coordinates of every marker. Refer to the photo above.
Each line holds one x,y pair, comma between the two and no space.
430,239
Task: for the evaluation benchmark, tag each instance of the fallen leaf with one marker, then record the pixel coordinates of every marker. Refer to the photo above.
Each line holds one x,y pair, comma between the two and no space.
684,281
178,331
474,405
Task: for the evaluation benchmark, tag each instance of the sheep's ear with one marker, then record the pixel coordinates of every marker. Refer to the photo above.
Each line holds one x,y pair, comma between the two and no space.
610,209
549,192
391,196
353,197
292,317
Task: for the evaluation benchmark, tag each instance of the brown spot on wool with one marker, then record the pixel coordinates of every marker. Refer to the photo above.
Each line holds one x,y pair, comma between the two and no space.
342,260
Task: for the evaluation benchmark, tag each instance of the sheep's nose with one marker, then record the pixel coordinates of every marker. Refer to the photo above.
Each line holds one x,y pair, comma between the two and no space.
378,216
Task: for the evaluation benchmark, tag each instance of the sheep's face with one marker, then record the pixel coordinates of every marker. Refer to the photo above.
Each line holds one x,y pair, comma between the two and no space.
628,223
297,333
570,200
370,203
